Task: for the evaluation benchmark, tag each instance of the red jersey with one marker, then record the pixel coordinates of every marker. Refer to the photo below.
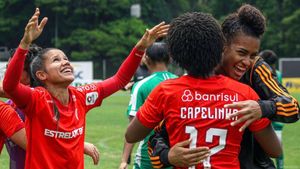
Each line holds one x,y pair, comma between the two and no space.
194,108
55,140
10,122
55,133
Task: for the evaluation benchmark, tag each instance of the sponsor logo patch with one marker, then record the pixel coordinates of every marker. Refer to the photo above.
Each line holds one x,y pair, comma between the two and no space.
91,98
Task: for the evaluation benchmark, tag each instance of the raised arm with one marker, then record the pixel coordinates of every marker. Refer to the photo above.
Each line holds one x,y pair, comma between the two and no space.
129,66
11,83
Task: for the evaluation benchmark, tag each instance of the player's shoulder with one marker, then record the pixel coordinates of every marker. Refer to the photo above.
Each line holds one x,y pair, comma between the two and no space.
146,82
259,63
237,86
4,105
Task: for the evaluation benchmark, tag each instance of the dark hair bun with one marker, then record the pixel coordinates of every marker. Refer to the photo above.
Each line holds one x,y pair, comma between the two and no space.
252,18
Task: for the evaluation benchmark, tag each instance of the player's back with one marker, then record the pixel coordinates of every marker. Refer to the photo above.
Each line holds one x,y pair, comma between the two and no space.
195,109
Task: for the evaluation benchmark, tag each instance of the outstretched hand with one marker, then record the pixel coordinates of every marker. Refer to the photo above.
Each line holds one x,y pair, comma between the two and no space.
180,156
33,29
249,111
152,35
92,151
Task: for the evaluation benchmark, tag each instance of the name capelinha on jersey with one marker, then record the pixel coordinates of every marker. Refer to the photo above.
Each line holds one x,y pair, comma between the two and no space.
207,112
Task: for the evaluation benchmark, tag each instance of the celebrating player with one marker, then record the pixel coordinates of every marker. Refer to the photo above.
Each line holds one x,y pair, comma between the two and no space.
243,30
56,112
193,105
17,152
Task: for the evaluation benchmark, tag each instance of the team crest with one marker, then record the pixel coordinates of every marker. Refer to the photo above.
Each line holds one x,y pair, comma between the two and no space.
91,98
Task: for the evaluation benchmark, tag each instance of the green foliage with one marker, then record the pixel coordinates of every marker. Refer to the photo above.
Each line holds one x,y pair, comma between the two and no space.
106,125
113,40
98,29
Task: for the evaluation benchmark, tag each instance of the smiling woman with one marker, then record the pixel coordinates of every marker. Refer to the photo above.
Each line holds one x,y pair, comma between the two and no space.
243,30
55,111
57,68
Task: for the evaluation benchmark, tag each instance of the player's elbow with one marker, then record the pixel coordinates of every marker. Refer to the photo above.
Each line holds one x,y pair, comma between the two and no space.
7,87
275,154
130,138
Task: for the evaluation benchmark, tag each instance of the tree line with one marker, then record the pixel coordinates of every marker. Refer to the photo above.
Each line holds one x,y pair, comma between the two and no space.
103,29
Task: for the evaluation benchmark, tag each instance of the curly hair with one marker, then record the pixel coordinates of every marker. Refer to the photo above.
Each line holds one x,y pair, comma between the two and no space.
248,20
195,42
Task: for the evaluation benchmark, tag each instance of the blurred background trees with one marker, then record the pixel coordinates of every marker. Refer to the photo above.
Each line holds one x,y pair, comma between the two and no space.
100,30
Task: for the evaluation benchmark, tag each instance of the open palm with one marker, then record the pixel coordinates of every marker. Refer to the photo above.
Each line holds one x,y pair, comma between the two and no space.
33,29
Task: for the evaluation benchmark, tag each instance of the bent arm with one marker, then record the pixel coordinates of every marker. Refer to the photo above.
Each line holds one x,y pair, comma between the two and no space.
158,147
124,74
92,151
2,93
12,125
269,141
19,138
276,103
129,66
136,131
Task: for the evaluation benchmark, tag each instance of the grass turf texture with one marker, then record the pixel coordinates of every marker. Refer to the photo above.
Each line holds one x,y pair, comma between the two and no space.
106,126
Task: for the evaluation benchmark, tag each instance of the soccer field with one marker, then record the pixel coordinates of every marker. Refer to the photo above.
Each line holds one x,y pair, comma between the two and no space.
106,126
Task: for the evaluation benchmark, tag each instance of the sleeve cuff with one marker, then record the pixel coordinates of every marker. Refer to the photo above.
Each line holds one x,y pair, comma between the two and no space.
267,107
164,157
138,52
20,49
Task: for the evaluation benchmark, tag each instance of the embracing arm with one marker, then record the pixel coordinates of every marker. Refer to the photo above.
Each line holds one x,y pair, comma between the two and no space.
179,155
129,66
136,131
269,141
158,147
275,102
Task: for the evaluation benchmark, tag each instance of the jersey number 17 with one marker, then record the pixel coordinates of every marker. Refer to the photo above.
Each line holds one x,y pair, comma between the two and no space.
210,133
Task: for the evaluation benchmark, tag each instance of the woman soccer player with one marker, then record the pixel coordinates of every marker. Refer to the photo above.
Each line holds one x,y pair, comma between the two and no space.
56,111
242,30
193,105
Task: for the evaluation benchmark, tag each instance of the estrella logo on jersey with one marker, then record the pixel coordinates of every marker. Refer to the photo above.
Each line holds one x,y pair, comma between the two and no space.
91,98
64,135
187,96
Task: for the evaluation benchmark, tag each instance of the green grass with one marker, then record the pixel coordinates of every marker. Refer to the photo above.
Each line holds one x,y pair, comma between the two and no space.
106,126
